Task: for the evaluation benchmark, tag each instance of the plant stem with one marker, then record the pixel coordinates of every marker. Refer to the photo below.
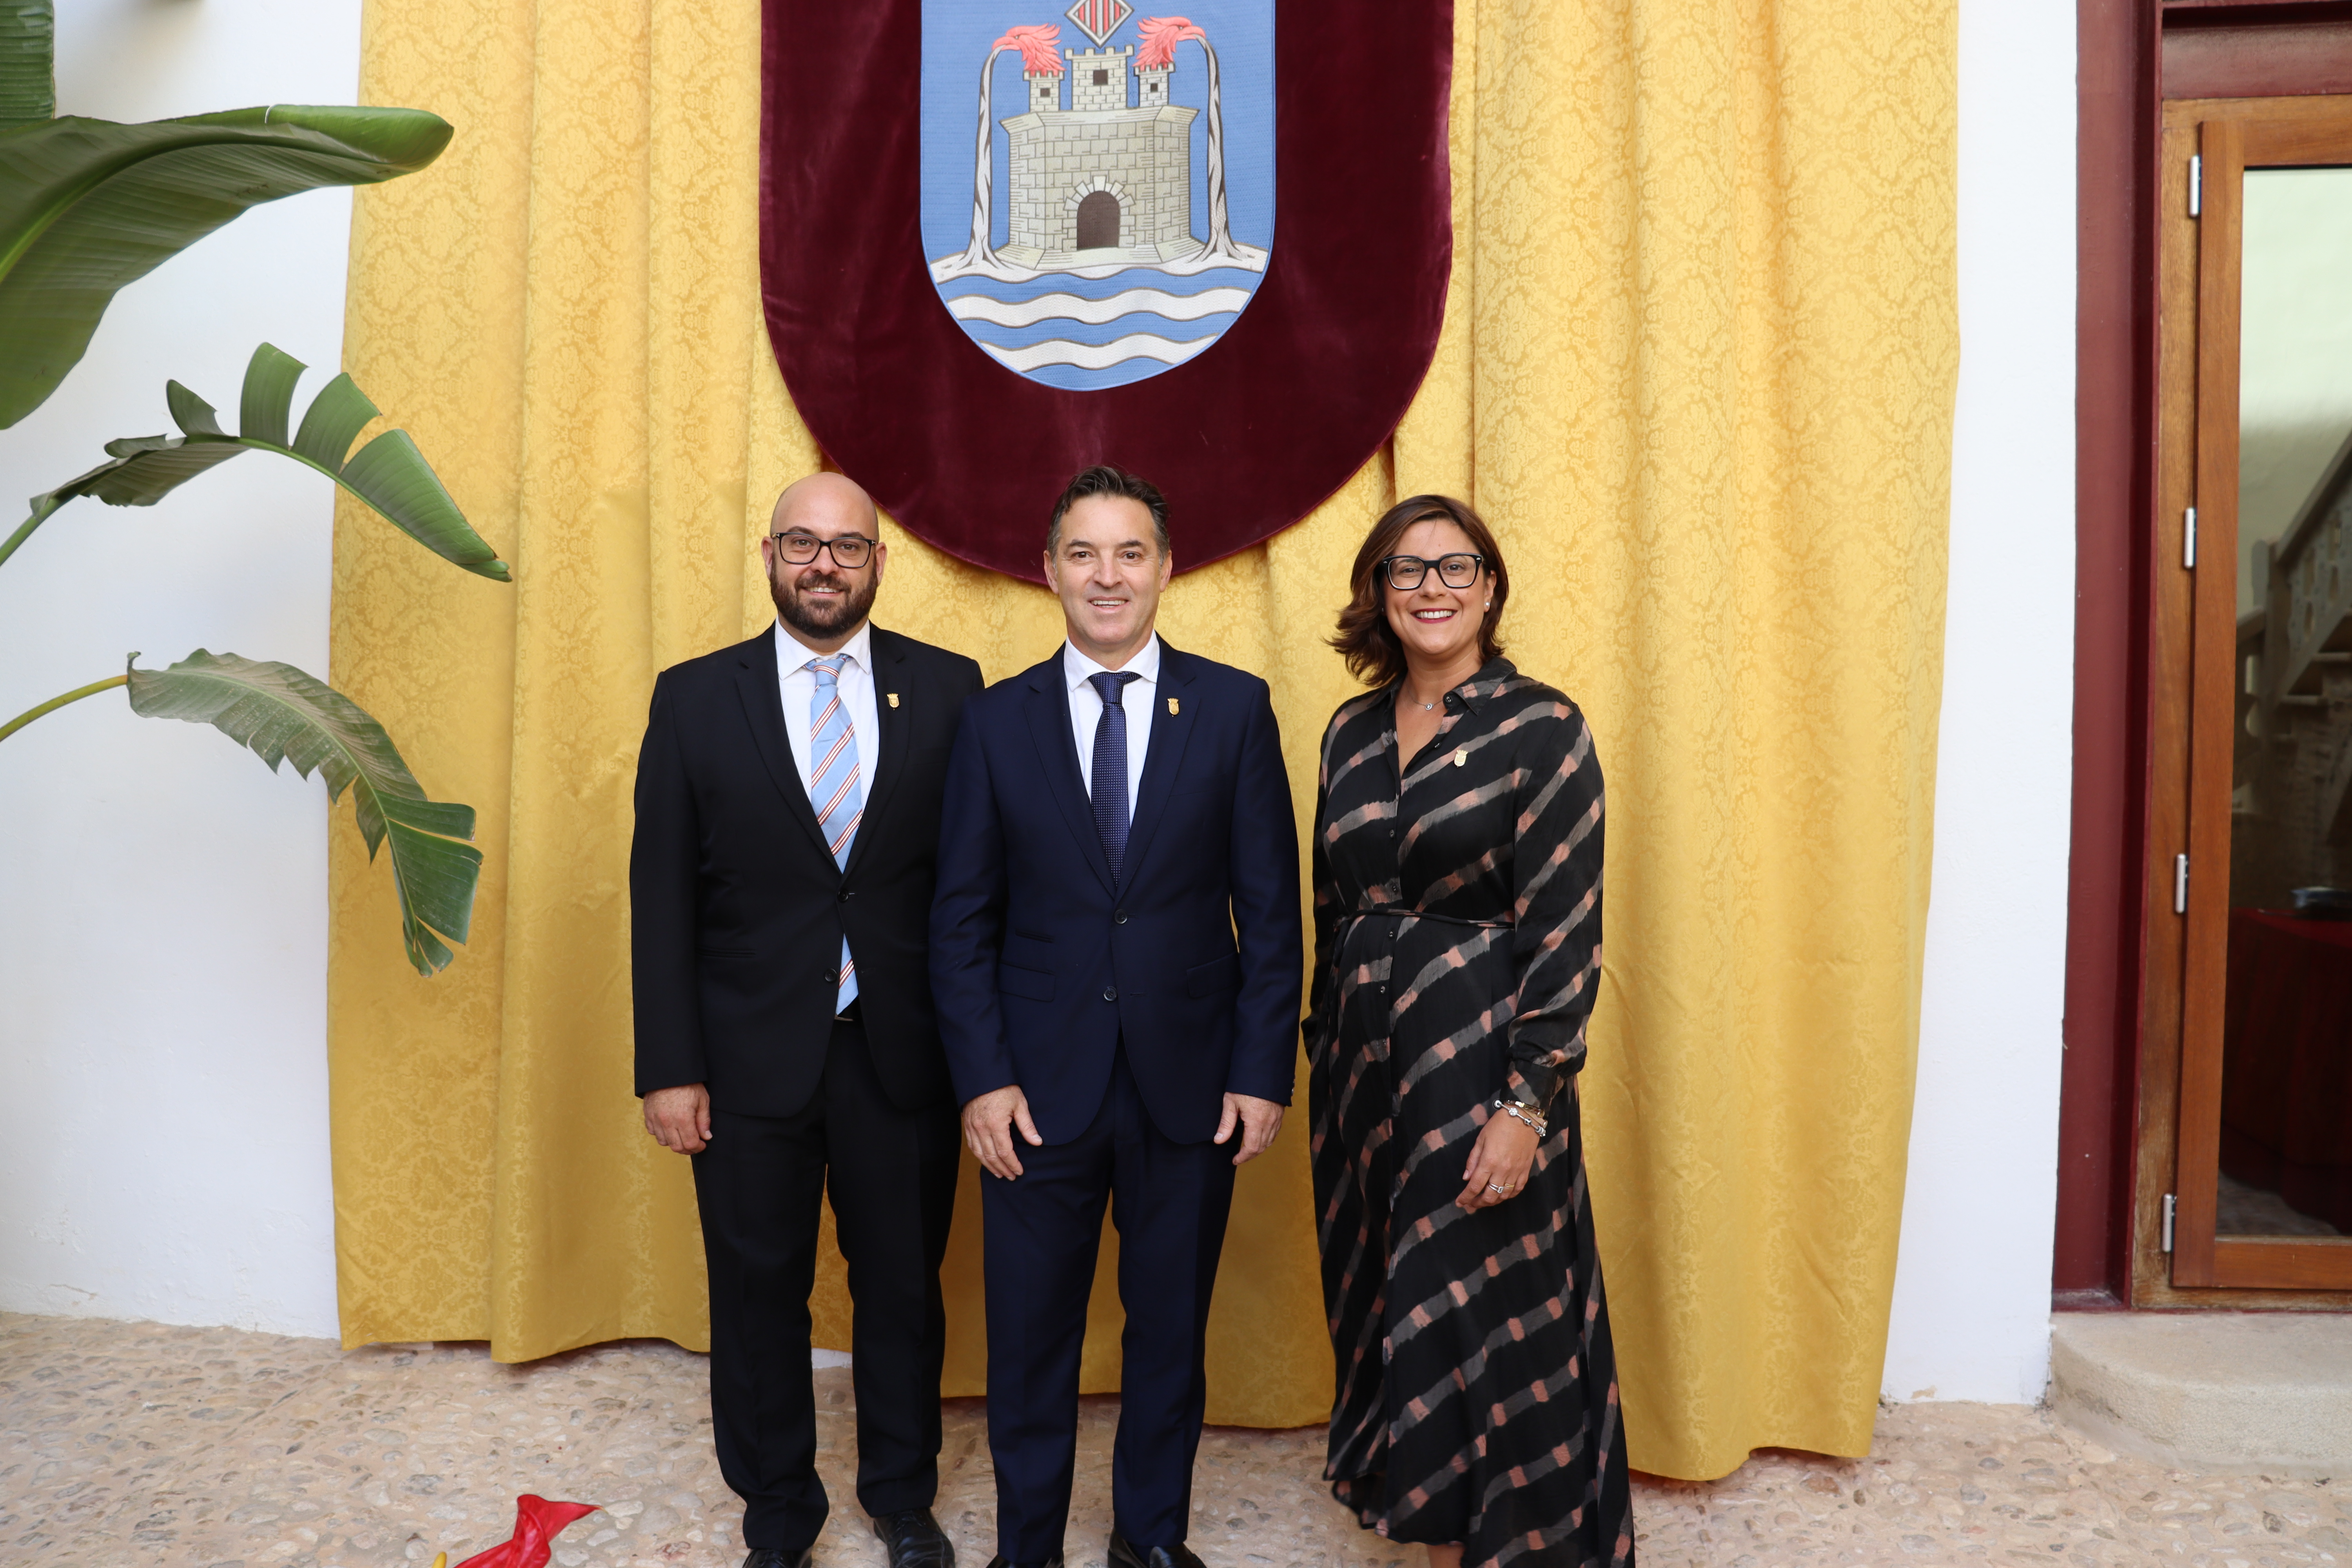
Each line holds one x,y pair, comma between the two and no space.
22,534
54,703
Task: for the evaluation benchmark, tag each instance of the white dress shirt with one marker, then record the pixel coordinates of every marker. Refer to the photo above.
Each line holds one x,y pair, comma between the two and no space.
798,681
1140,700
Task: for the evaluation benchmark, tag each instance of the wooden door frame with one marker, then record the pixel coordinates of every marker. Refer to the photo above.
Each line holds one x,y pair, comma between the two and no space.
2193,680
2120,1072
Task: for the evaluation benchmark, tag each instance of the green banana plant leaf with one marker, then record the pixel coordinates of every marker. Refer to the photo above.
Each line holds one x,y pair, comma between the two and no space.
88,206
28,87
285,716
389,473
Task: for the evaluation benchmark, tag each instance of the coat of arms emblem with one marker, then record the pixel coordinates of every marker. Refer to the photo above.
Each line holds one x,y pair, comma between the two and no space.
1113,212
1003,239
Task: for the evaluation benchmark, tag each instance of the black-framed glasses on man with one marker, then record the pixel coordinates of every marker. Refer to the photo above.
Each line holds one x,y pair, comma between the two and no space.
1457,570
849,551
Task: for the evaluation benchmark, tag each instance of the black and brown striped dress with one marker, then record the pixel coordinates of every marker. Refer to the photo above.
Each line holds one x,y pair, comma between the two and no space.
1457,924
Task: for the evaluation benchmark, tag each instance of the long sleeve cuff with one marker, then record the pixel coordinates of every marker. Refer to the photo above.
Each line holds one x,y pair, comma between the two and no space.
1540,1067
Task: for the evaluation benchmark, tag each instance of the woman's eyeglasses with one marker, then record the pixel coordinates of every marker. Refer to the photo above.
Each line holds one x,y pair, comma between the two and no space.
1405,572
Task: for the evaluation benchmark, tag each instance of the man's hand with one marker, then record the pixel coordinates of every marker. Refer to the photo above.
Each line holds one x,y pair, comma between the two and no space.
679,1119
988,1124
1260,1121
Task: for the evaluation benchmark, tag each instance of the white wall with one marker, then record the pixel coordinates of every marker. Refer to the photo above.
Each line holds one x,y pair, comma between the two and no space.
1972,1283
163,951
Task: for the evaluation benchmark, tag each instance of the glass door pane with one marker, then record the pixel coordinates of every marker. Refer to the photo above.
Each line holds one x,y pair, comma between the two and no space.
2286,1071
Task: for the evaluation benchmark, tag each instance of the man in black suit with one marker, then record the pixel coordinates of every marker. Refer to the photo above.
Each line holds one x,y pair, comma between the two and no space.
1116,953
780,889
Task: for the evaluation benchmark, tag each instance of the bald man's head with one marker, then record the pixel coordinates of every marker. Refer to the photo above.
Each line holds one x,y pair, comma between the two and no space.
826,496
819,520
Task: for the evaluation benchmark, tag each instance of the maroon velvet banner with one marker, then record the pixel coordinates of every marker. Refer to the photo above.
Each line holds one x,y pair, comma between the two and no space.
927,372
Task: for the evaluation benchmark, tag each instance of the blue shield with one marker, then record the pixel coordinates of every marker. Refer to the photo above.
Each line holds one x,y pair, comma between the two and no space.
1098,184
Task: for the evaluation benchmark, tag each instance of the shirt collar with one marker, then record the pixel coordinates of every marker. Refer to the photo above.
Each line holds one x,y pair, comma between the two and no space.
1487,684
795,655
1077,668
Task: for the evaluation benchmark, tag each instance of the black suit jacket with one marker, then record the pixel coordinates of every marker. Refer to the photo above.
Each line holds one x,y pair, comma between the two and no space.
736,909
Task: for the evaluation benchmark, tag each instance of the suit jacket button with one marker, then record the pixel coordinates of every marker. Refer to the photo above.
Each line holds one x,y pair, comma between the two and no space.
1118,916
1110,992
845,895
832,977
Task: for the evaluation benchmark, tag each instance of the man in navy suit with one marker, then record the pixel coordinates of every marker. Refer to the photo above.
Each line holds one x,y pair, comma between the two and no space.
1115,954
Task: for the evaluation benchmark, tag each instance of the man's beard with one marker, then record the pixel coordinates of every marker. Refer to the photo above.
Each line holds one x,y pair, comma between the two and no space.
813,621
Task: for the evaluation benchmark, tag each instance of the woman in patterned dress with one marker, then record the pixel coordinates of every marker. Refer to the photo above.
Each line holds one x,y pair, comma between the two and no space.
1457,921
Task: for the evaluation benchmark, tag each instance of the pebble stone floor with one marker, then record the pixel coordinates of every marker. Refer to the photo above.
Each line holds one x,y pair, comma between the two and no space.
137,1444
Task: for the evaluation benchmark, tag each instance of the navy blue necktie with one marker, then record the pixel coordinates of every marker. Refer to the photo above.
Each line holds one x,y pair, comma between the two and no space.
1110,765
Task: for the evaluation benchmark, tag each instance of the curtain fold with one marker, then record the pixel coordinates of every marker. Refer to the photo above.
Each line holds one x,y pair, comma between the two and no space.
1697,370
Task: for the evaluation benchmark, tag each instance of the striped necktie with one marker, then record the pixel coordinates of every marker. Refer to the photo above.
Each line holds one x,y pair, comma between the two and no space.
834,789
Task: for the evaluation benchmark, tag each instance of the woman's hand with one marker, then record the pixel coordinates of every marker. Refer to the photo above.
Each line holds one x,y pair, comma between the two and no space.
1499,1162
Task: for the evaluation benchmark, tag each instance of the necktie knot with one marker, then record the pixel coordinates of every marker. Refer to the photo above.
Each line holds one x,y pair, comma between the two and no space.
1111,684
828,668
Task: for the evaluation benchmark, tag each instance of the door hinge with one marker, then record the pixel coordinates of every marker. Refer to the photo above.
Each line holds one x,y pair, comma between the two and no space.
2188,539
2195,184
2169,1206
2180,884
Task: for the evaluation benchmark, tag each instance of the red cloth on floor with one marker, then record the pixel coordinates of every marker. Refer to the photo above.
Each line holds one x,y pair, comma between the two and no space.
537,1522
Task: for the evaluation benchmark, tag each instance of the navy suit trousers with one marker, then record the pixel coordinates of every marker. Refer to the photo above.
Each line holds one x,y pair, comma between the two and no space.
1169,1201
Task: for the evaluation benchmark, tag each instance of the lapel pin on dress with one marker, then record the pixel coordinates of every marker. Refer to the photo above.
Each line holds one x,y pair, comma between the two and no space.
1461,753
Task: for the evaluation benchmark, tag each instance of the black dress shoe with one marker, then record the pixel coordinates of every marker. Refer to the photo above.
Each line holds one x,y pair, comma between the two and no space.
1123,1554
777,1557
915,1539
1001,1560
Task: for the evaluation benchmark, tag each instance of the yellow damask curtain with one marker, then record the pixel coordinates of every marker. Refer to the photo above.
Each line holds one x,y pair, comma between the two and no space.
1697,370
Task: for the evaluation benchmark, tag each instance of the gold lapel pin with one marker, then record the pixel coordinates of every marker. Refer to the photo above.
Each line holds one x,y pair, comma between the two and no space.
894,699
1461,754
1172,706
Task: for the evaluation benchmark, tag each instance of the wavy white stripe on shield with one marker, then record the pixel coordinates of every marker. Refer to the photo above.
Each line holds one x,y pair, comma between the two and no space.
1098,312
1097,356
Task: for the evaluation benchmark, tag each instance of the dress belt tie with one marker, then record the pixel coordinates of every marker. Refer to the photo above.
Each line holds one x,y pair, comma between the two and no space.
1325,1023
1401,912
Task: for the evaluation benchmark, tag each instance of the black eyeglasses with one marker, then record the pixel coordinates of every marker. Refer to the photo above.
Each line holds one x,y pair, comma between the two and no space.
1458,570
849,551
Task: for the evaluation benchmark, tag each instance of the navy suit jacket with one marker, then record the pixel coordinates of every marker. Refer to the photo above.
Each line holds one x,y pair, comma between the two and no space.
1040,964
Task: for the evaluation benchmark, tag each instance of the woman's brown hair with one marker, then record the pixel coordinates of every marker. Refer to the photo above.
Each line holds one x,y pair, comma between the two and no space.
1365,640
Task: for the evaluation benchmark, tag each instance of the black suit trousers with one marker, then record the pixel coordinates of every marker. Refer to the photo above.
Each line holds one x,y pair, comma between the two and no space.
1169,1201
891,1176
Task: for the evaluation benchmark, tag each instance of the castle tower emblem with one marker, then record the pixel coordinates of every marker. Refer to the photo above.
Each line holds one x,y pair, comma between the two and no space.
1106,179
1112,168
